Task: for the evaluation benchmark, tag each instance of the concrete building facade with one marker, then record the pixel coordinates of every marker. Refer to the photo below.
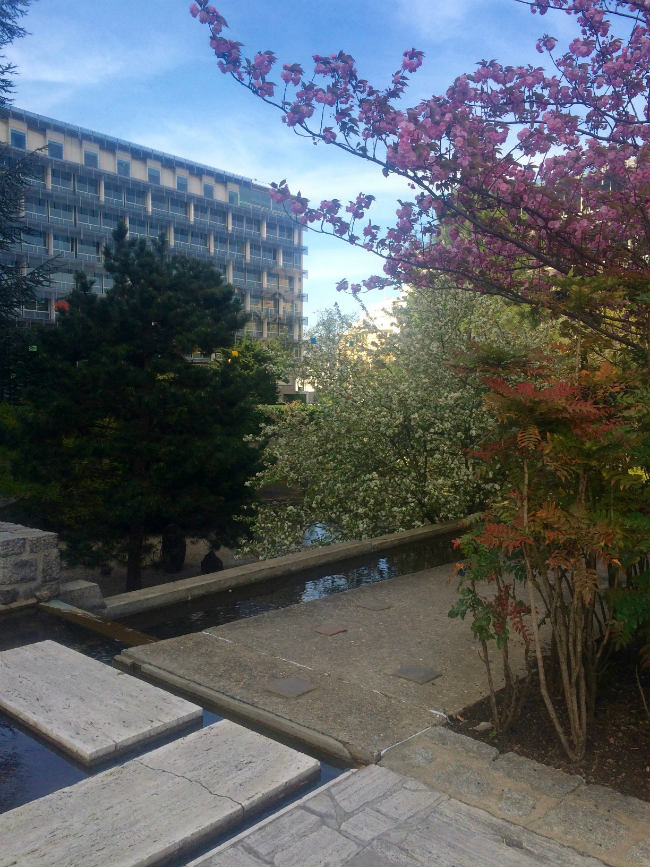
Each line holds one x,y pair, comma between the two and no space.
84,182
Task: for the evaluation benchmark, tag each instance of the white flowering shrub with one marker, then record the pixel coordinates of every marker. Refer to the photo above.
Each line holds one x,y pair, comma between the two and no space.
387,445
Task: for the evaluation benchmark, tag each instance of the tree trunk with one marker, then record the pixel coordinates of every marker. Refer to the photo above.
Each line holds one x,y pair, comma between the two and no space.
134,561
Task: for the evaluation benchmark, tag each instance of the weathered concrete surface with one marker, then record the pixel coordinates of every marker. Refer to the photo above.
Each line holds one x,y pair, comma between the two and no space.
592,819
85,707
157,805
337,717
82,594
359,702
376,818
126,604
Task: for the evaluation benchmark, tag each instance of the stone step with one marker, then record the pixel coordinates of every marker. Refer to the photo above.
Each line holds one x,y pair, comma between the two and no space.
157,805
88,709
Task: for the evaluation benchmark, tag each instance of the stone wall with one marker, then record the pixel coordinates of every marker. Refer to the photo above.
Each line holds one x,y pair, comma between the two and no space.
29,564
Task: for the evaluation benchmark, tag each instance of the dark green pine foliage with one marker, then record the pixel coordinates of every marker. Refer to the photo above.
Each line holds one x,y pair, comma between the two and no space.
118,434
17,283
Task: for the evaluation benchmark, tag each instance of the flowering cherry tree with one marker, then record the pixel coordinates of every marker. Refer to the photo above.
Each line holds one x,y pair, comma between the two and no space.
528,181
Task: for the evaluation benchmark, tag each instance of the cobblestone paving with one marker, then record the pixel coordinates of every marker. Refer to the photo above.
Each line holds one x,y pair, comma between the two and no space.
376,818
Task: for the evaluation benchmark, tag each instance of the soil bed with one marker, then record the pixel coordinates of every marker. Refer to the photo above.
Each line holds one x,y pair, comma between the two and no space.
618,754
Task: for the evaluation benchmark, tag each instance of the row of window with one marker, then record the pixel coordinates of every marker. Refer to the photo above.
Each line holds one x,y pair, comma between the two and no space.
64,213
85,248
18,139
116,194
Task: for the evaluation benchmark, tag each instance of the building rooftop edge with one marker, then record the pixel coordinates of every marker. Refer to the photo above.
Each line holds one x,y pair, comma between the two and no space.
99,137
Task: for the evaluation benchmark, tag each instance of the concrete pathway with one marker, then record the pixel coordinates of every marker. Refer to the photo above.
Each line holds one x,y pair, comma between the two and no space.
362,655
157,805
86,708
377,818
369,674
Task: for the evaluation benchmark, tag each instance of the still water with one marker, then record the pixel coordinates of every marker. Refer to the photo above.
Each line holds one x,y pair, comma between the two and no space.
198,614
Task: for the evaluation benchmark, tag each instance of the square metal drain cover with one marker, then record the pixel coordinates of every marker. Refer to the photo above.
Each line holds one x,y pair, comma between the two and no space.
416,673
290,687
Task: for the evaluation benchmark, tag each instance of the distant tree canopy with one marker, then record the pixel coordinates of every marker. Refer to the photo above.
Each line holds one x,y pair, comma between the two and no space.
117,432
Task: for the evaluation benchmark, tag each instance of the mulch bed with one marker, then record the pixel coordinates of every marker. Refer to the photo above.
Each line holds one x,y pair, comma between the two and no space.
618,754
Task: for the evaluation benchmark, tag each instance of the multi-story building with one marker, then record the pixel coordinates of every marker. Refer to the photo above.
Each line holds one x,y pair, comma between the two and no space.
84,182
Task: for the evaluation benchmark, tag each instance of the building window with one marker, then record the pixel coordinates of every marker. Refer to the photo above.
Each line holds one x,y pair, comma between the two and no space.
61,179
137,226
181,184
55,149
60,212
39,305
110,221
181,237
153,176
208,191
159,203
18,139
113,192
87,186
32,240
91,159
124,168
88,217
233,197
62,243
134,197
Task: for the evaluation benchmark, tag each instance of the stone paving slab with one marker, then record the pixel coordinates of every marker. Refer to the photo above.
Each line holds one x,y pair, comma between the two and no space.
89,710
157,805
375,818
337,716
592,819
413,631
359,702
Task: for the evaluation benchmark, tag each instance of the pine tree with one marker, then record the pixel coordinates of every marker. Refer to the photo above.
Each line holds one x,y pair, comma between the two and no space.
17,284
118,432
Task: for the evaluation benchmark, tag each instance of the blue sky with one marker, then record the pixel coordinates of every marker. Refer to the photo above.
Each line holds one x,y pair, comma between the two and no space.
144,72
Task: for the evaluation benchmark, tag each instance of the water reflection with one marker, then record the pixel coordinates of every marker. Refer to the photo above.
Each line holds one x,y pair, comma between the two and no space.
313,584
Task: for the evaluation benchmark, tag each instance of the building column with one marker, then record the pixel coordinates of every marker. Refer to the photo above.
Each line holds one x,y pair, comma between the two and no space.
265,327
229,221
263,230
190,211
279,255
211,243
147,201
247,251
101,191
247,302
